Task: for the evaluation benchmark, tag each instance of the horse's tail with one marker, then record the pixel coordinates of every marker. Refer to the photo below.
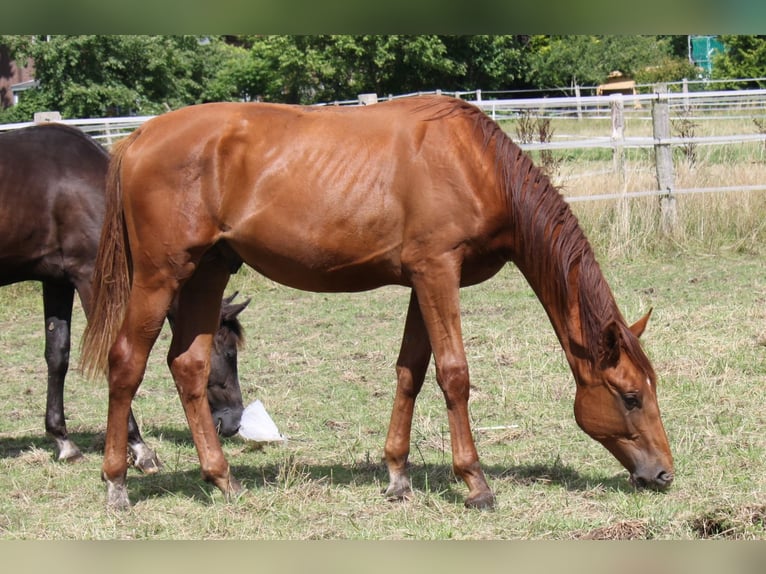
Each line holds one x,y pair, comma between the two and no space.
111,274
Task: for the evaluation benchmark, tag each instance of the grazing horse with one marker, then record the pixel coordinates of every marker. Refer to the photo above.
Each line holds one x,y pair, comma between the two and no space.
424,192
52,207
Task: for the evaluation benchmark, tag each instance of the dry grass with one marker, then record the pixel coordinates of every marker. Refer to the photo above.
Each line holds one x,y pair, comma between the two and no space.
705,221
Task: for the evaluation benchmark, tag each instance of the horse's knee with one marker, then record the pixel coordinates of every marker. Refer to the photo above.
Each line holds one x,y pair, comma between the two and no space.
454,381
190,372
57,347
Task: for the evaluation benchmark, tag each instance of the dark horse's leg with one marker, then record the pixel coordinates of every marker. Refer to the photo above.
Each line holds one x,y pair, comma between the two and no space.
58,299
411,370
57,304
142,457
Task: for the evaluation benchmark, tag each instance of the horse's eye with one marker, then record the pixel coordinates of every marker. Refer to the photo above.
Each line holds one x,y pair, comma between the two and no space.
631,401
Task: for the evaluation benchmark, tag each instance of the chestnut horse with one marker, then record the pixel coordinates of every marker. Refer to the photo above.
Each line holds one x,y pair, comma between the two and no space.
52,206
424,192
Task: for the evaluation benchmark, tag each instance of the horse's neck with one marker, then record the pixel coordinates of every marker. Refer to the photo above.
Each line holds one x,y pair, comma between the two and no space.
551,250
563,311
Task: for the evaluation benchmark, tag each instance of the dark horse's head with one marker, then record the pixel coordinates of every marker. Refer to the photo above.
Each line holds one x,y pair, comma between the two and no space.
223,392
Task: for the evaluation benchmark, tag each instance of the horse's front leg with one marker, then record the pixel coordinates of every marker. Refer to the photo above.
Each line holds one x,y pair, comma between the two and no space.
57,302
411,369
196,322
437,288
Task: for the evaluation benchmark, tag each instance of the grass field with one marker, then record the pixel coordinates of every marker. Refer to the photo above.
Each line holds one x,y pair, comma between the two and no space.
324,367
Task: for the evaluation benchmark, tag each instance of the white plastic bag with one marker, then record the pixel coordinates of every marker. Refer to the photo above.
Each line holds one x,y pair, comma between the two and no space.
256,425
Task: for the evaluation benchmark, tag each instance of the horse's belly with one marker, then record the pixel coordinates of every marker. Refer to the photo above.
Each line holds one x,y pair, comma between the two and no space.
311,266
318,279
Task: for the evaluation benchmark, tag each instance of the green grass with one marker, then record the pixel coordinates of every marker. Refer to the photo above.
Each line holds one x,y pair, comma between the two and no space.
324,367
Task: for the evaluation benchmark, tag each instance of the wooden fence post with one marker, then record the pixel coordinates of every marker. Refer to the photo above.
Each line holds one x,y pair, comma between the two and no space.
663,159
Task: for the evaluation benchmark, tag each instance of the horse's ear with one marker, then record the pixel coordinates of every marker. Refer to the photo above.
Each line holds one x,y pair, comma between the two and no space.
230,298
231,311
609,346
638,327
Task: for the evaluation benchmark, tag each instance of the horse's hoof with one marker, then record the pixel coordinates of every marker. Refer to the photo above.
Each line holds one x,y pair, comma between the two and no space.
399,488
71,456
481,501
235,493
144,459
116,496
234,489
398,494
68,451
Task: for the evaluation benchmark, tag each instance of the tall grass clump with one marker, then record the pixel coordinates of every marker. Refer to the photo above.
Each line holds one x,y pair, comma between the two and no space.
706,221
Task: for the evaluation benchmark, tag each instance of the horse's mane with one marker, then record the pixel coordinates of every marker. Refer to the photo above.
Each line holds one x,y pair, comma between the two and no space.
551,246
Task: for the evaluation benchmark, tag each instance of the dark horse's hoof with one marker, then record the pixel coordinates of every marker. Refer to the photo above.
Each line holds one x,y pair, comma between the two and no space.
144,459
483,501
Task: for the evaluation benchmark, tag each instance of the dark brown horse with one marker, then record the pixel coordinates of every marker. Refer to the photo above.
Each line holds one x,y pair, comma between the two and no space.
52,181
424,192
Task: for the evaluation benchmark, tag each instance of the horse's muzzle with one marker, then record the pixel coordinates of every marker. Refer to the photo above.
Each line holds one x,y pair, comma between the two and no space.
661,481
227,421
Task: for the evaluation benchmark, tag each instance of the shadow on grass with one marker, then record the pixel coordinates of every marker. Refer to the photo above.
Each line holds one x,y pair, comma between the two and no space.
426,477
13,447
436,479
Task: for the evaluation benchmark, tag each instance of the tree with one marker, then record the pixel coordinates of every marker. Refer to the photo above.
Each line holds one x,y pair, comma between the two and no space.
98,76
743,57
559,62
308,69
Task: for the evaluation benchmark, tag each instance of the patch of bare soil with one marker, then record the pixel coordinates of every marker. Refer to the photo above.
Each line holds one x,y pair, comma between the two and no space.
623,530
731,523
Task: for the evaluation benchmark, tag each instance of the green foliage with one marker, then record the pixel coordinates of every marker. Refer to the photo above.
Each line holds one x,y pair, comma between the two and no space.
105,75
563,61
743,57
98,76
667,69
307,69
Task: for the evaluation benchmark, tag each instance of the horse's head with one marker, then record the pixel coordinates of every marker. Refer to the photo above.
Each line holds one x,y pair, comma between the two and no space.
616,404
223,392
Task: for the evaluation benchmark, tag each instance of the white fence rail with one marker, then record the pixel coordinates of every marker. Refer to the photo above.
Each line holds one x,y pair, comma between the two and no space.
105,130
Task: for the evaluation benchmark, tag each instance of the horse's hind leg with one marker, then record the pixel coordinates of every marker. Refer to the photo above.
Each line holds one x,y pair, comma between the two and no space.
128,355
411,370
57,303
142,457
196,322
